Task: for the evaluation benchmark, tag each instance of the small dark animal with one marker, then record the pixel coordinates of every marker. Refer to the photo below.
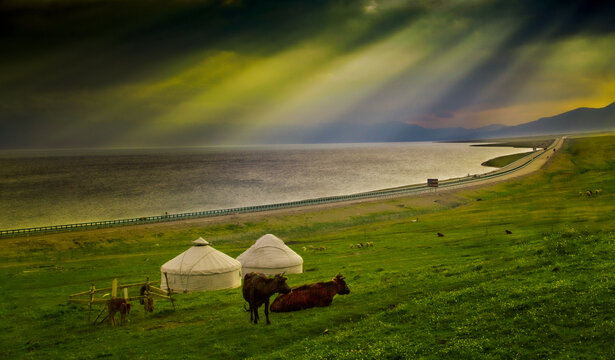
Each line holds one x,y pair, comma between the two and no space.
116,305
311,295
146,299
257,288
440,235
479,199
508,232
142,292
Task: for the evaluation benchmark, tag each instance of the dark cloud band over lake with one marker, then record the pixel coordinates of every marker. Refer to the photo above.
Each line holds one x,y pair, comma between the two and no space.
133,73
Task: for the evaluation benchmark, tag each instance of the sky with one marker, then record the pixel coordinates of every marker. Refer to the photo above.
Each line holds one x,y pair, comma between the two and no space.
120,73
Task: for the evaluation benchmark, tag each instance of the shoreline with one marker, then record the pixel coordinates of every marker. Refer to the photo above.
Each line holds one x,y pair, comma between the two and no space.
525,165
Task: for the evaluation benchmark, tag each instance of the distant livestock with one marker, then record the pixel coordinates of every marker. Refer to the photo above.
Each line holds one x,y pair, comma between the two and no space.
440,235
508,232
312,295
590,193
258,288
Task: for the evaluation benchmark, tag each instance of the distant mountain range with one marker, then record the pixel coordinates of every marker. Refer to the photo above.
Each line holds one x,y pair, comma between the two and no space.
574,121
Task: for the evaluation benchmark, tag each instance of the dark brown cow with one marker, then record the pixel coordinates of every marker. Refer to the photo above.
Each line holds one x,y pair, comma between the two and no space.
312,295
257,288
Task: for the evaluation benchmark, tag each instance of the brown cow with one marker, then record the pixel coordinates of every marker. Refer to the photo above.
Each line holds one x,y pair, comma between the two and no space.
116,305
311,295
257,288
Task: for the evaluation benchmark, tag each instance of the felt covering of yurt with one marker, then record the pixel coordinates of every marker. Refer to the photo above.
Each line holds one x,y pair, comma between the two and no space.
201,268
270,255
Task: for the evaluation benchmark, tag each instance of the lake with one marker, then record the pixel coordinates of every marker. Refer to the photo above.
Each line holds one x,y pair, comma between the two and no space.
53,187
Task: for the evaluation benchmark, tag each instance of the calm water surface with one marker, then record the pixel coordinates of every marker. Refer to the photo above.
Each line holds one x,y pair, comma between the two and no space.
59,187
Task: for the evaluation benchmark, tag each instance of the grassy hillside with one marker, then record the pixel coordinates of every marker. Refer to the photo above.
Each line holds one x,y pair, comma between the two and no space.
546,290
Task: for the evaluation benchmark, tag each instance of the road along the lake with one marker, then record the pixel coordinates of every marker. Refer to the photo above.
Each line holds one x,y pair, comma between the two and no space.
521,167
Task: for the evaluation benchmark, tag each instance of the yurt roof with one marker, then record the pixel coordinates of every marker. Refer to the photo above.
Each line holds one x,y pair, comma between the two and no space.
269,252
201,259
200,242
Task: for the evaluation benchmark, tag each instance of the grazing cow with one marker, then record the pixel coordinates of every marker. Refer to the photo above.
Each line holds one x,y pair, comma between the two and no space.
257,288
311,295
508,232
440,235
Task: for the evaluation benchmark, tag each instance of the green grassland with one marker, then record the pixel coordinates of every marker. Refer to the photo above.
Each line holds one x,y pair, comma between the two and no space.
502,161
526,142
545,291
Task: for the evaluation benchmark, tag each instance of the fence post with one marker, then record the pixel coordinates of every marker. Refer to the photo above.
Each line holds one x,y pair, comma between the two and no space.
92,289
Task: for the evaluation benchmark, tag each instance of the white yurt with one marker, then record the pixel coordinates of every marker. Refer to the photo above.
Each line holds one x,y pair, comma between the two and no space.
270,255
201,268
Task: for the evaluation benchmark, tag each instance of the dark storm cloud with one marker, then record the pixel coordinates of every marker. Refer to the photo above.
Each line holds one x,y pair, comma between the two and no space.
538,22
77,68
100,43
572,17
106,42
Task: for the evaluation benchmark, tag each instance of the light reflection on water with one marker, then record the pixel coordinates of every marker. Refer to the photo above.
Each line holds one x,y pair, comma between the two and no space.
67,186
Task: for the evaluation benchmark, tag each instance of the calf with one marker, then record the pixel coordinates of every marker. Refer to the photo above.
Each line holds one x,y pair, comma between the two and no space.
116,305
307,296
257,288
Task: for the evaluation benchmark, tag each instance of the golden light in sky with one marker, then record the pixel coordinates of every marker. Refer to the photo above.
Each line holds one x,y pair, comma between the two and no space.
219,72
